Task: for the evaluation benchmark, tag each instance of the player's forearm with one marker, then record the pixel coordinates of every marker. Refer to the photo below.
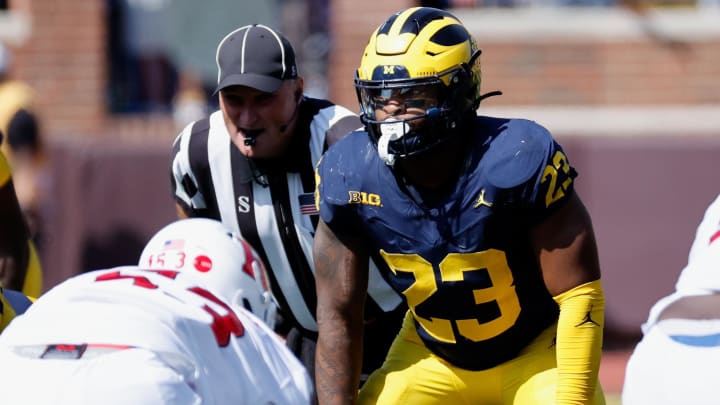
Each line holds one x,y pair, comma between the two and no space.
341,284
337,361
579,342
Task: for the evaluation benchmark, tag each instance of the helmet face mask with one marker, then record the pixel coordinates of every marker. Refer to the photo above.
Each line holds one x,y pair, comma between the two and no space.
419,78
413,97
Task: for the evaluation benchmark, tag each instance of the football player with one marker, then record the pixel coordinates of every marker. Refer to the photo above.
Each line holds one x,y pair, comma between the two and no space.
479,223
680,346
175,330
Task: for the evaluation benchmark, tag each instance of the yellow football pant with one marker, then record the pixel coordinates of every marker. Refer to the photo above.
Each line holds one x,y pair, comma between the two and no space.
413,375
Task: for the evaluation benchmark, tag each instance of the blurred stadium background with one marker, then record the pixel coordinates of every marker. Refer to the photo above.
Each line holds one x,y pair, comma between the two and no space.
629,87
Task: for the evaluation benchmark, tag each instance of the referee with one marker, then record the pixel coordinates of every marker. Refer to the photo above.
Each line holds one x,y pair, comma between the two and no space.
251,166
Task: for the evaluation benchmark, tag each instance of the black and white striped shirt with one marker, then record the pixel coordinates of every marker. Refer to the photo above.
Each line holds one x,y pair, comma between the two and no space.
272,206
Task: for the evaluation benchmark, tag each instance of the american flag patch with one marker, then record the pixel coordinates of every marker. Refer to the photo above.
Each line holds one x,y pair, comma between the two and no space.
307,204
174,244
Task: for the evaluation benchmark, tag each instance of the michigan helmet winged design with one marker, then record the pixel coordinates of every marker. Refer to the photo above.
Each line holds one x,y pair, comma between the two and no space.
425,58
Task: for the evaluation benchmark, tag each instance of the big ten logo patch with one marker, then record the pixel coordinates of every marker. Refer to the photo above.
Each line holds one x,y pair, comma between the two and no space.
361,197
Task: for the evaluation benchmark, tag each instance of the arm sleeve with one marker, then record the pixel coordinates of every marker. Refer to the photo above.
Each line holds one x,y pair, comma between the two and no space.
579,342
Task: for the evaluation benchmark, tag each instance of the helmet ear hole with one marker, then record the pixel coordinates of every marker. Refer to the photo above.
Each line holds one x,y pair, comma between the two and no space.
246,304
239,300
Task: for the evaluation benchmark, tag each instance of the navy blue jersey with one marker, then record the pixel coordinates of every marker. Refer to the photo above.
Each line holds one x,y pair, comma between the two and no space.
464,263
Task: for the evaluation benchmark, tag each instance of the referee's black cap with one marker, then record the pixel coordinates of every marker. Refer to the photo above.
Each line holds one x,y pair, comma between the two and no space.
255,56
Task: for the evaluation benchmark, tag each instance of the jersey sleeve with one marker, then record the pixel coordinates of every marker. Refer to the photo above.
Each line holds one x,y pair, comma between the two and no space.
700,275
342,122
183,181
330,123
291,378
334,179
554,183
708,230
528,162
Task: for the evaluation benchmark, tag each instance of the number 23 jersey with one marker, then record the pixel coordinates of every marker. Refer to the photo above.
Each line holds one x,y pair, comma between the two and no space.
464,263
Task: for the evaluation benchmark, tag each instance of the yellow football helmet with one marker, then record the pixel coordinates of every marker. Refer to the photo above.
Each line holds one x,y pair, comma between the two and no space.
426,58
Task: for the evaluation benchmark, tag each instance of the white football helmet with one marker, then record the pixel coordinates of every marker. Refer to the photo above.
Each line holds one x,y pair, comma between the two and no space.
217,258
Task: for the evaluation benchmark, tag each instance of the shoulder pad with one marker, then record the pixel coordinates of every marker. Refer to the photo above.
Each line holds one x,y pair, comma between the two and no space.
516,153
341,167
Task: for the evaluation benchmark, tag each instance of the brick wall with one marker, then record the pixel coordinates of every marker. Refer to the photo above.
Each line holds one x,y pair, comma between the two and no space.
352,24
566,57
537,58
63,59
597,73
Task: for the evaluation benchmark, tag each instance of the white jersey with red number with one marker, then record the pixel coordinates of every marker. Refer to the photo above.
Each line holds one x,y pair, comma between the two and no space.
676,360
700,276
126,335
701,271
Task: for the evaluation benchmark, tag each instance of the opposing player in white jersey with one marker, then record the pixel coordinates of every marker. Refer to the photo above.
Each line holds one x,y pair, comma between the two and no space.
678,359
173,330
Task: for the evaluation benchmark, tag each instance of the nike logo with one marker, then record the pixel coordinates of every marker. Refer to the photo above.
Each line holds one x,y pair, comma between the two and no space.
482,201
